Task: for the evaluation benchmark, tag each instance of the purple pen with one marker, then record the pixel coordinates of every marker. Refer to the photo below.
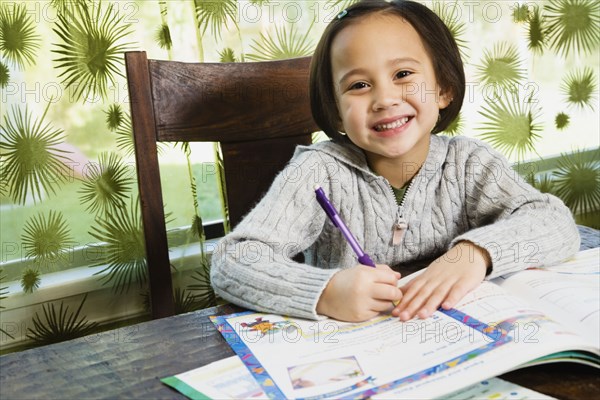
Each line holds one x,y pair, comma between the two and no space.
333,215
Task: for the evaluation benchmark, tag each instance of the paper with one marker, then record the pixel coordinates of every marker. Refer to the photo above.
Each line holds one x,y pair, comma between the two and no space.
529,311
224,379
497,389
330,359
230,379
568,292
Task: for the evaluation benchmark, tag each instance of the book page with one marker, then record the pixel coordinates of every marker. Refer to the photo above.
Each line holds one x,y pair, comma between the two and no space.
532,334
568,292
230,379
224,379
497,389
332,359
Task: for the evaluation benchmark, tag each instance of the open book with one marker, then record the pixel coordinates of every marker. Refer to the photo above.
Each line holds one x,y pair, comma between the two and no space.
530,317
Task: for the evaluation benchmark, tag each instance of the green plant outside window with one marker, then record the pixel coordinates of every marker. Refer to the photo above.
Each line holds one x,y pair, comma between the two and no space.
67,171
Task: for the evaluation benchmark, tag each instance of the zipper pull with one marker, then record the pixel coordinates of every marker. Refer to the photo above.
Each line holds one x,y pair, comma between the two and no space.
399,228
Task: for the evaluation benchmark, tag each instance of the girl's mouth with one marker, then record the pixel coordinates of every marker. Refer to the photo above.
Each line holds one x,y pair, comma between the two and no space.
391,125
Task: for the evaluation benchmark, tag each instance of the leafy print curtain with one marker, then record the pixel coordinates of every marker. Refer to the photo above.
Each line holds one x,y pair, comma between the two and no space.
67,172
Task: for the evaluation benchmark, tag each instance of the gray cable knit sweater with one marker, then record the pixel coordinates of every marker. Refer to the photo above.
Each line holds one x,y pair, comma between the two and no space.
464,191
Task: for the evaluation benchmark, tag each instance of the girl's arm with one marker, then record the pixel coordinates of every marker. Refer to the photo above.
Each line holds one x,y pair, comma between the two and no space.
514,227
518,226
253,266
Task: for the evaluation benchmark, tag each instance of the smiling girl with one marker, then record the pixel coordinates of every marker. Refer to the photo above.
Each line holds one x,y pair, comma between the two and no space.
385,77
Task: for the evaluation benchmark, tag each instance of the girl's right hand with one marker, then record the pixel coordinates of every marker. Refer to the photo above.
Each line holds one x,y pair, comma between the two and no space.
360,293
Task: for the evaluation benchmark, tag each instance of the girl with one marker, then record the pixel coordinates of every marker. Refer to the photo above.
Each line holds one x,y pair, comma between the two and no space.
384,78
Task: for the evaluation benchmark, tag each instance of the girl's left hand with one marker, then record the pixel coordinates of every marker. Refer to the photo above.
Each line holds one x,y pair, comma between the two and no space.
444,282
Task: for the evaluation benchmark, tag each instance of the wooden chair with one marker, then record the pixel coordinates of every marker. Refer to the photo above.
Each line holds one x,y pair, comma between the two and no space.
258,112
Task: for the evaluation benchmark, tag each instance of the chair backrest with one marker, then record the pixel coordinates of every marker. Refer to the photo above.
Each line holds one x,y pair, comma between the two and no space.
257,111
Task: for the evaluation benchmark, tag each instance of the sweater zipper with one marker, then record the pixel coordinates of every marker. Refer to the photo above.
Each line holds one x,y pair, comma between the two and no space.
401,224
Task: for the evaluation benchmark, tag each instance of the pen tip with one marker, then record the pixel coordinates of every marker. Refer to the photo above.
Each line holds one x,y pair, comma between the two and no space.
317,187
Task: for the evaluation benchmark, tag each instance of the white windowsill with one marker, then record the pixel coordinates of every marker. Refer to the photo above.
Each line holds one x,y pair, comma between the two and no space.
103,305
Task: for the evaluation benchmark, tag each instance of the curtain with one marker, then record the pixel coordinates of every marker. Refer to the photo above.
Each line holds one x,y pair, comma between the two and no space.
72,246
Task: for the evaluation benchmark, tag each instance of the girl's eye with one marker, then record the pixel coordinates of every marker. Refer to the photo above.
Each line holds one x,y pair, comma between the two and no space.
358,86
402,74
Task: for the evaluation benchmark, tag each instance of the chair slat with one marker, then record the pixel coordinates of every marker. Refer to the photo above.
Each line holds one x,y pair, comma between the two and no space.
150,192
231,102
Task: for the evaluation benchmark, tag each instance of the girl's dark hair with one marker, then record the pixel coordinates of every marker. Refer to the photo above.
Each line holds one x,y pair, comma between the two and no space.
439,43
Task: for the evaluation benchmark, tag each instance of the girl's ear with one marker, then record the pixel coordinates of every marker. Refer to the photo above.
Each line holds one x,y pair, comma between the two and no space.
445,98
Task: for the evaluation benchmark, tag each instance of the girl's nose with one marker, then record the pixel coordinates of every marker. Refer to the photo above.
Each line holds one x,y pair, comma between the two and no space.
386,97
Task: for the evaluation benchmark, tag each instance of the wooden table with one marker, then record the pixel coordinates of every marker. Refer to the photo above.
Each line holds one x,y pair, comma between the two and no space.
128,363
124,363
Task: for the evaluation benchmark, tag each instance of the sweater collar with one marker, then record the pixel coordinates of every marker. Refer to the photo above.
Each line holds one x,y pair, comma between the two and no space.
353,156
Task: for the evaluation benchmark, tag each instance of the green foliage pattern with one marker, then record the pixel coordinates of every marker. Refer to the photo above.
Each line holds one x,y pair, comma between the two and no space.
87,40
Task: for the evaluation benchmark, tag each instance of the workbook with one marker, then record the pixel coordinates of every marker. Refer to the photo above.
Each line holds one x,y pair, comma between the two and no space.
534,316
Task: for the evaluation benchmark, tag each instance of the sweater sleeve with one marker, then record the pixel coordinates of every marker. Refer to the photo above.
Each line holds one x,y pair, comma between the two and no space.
253,266
519,226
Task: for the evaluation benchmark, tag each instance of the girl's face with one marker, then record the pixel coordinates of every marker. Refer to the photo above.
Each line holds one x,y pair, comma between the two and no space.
386,89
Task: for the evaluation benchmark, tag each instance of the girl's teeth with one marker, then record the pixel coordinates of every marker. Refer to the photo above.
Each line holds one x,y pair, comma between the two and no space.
392,125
